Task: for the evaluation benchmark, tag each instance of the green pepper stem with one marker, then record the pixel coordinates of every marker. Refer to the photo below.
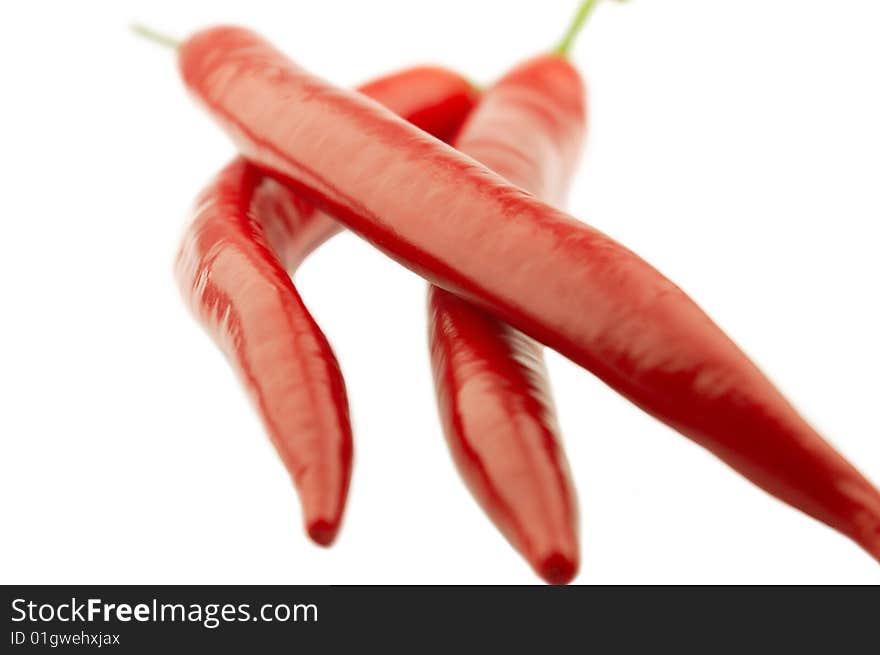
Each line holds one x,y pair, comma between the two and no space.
154,36
576,26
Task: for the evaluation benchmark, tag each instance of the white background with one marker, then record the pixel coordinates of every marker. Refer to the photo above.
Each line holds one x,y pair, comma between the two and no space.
736,145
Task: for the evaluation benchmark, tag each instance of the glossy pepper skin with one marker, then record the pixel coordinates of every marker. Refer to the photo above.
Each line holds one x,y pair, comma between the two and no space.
231,271
567,285
431,98
492,388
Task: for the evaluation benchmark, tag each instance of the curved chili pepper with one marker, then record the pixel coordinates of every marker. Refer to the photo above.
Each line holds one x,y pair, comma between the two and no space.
230,274
492,387
569,286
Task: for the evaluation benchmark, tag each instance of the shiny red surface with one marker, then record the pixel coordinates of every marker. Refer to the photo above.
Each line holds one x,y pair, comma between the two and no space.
564,283
231,270
433,99
492,388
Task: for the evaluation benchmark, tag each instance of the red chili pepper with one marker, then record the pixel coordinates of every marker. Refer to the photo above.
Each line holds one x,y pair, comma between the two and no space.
230,275
562,282
492,388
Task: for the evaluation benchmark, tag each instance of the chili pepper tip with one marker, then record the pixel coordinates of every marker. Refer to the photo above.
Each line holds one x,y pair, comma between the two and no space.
322,532
558,569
